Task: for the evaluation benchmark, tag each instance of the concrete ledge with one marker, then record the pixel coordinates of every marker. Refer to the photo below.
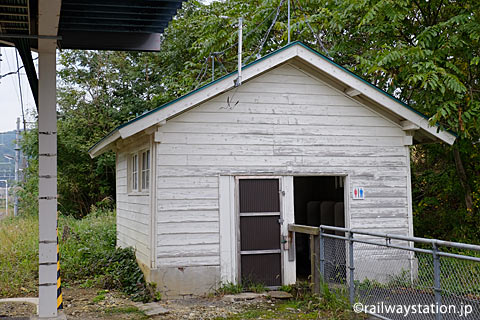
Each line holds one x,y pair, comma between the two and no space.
60,316
33,301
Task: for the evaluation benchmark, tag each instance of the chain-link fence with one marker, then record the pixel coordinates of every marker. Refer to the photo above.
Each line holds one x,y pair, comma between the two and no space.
398,277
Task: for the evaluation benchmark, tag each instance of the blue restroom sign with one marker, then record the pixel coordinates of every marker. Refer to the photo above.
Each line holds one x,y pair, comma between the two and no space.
358,193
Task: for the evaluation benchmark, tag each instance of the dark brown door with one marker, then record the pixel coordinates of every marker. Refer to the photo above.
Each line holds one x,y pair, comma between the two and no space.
260,254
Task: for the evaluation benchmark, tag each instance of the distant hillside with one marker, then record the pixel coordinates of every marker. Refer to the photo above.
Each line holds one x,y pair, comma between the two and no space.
7,147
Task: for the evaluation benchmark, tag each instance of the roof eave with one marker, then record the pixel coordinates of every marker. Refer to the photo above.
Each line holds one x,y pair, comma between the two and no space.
252,70
104,145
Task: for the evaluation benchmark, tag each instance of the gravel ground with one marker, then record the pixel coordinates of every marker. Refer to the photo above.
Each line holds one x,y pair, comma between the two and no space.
96,304
83,303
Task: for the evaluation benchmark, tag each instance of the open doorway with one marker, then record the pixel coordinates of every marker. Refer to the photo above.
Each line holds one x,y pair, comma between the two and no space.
317,200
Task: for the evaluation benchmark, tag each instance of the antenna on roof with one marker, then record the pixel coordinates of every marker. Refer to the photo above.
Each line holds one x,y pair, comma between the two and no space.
240,36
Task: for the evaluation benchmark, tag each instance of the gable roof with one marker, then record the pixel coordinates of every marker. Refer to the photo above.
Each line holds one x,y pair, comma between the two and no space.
305,58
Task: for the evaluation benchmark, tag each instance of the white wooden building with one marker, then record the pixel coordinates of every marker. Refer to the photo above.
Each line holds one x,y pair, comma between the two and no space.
207,184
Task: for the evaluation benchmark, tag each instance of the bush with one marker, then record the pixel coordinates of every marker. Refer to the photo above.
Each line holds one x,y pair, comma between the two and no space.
87,255
87,250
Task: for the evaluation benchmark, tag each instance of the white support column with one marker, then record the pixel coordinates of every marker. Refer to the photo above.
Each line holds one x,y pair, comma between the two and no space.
47,190
48,18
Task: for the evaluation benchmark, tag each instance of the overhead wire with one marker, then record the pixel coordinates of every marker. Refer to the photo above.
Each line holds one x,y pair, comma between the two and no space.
315,35
220,53
248,33
14,72
204,73
20,88
217,54
262,43
13,81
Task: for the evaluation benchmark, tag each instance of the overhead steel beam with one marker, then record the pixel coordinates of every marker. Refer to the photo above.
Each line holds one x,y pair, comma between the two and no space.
13,6
26,36
110,41
106,30
114,17
24,50
13,14
171,5
70,11
14,21
159,25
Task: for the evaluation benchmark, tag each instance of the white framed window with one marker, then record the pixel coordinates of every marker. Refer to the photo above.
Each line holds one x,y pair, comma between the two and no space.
134,172
139,172
145,170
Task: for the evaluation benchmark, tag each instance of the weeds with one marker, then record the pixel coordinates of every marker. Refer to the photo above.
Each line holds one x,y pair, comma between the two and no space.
87,256
229,288
255,287
18,256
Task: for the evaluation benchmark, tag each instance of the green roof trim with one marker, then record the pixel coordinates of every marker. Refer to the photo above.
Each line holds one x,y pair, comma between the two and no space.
253,63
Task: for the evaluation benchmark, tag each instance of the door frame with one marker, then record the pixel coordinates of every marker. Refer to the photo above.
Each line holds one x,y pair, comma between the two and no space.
229,220
237,219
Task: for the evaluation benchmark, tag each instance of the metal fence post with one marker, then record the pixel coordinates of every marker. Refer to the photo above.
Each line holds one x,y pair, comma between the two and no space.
351,267
436,280
322,253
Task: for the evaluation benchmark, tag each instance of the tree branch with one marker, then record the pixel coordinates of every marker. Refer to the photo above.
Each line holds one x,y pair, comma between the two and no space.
463,178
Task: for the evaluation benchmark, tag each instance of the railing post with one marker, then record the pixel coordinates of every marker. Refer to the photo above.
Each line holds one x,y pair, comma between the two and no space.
316,275
314,270
436,280
322,253
351,267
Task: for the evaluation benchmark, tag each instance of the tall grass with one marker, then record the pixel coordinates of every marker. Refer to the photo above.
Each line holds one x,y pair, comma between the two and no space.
88,256
18,256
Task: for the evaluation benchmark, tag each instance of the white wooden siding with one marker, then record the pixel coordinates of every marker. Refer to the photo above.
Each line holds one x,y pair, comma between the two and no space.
285,123
133,215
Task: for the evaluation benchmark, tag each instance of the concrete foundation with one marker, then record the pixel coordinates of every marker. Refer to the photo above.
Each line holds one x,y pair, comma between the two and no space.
186,281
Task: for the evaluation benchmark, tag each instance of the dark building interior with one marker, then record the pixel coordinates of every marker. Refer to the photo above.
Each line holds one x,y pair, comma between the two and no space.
317,200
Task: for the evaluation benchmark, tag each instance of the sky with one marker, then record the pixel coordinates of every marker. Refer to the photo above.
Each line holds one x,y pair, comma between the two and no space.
10,107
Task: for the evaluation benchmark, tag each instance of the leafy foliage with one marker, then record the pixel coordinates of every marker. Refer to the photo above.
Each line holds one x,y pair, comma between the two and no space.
426,53
88,251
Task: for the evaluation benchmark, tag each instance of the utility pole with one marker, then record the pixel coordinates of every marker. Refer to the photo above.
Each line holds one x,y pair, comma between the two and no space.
17,162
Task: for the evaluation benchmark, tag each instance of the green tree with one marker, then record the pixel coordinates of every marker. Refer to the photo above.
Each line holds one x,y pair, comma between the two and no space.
426,53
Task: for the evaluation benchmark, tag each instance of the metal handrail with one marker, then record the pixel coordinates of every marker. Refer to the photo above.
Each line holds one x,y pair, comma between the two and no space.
442,243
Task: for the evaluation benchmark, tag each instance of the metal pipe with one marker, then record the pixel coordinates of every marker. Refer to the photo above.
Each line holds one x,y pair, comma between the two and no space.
457,256
436,281
240,39
351,267
407,238
322,254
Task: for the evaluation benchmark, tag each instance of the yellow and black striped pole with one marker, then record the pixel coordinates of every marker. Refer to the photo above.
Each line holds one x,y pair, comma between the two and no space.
59,282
